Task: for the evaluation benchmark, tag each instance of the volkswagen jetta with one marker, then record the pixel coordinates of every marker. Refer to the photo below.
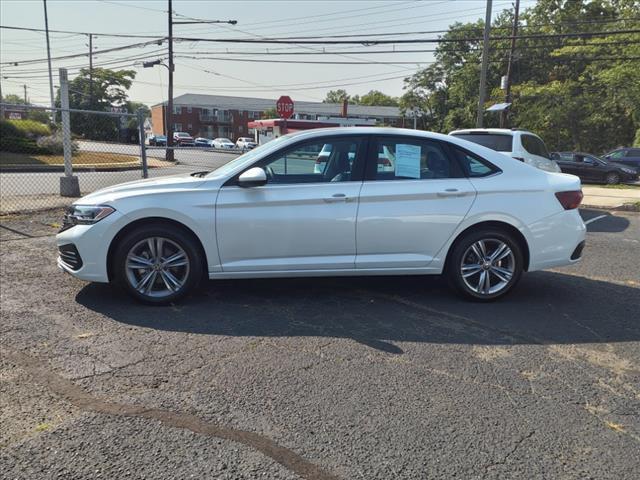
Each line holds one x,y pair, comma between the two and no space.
446,206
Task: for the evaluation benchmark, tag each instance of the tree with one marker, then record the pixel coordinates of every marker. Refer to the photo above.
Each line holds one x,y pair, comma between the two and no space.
42,116
336,96
106,89
270,113
377,98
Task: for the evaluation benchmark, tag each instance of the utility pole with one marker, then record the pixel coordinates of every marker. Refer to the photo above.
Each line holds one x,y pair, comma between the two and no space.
90,70
485,64
169,112
507,96
25,94
46,26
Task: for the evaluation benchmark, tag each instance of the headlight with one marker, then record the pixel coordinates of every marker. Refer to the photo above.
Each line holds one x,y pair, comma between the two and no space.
627,170
85,215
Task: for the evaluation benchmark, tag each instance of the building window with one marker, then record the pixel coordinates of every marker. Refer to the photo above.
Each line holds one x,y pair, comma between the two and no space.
177,127
188,109
189,127
177,110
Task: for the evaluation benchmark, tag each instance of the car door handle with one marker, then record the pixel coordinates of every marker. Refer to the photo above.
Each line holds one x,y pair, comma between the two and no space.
451,192
336,197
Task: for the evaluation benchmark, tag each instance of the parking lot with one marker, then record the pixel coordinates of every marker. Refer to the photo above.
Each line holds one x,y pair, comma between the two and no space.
349,378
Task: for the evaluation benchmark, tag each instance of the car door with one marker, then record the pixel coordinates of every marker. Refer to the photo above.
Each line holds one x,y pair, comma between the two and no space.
411,205
299,220
568,164
632,158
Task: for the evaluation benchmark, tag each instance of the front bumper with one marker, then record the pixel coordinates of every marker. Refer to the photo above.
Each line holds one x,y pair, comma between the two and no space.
90,247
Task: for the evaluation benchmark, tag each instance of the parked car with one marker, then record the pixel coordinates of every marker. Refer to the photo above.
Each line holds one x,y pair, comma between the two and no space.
203,142
183,139
626,156
245,143
593,169
518,144
157,140
449,207
223,143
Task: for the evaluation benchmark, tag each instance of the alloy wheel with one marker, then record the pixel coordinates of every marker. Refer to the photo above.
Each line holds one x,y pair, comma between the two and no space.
488,266
157,267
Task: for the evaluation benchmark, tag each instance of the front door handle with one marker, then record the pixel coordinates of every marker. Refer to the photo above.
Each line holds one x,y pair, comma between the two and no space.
336,197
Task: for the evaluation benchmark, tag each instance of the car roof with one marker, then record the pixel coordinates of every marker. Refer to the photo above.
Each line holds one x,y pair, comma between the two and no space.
487,131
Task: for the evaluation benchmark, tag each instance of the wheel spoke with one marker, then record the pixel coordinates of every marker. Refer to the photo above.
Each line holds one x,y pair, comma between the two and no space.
477,251
170,280
159,248
151,244
502,273
144,281
138,262
501,252
176,260
470,270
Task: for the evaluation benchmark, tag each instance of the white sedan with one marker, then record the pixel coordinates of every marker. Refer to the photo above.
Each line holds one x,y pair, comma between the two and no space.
222,143
448,206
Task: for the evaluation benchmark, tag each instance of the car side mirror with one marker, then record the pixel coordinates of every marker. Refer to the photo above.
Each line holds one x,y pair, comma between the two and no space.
254,177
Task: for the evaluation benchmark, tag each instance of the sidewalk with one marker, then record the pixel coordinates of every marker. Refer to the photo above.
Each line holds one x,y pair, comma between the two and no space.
609,198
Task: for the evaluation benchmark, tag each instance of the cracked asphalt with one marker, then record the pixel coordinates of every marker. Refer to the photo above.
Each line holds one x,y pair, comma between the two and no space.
351,378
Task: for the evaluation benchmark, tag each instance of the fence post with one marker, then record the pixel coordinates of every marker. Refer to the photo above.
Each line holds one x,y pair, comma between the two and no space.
143,149
69,185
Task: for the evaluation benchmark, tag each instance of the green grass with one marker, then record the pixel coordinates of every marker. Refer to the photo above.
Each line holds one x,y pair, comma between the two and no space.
97,159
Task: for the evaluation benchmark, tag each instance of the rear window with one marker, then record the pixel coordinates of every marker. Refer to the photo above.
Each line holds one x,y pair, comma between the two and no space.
534,146
495,141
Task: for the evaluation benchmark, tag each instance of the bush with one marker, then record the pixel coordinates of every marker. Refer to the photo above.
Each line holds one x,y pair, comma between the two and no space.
27,128
20,145
636,142
53,144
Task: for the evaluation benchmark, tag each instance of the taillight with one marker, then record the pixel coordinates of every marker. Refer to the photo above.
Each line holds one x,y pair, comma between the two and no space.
569,200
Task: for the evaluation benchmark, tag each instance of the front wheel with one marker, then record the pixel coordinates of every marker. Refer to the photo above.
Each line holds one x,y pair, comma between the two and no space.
485,265
158,264
612,178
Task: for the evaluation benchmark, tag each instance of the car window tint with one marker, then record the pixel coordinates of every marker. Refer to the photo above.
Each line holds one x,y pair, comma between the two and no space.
495,141
474,166
318,161
411,159
633,152
616,154
534,145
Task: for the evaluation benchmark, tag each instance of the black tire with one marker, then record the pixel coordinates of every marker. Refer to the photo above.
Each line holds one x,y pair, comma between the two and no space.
612,178
491,237
173,239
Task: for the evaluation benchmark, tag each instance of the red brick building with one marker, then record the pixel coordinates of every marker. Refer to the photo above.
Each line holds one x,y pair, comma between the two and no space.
214,116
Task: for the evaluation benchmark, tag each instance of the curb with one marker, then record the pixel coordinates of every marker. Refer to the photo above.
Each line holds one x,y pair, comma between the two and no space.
626,207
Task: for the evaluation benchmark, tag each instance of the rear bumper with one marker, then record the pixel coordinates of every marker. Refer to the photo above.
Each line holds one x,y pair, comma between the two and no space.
557,240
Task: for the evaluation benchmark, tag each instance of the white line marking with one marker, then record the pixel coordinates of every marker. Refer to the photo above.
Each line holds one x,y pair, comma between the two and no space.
594,219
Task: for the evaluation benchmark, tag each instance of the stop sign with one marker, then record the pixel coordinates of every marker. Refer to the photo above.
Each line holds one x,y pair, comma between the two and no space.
284,106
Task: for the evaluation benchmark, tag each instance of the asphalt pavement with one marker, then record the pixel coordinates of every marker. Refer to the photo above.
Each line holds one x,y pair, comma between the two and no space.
350,378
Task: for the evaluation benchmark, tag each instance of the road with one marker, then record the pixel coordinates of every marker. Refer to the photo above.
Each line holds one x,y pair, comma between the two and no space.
372,378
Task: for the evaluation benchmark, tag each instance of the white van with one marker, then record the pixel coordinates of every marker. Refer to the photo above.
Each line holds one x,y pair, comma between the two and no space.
518,144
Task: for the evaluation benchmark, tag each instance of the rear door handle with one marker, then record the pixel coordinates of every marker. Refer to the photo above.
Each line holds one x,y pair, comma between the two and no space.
451,192
336,197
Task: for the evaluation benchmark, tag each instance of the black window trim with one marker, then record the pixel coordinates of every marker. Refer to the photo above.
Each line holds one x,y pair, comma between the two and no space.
356,175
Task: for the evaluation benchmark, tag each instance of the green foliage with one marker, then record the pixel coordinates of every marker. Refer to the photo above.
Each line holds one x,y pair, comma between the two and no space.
336,96
377,98
577,93
26,128
42,116
636,142
270,113
103,90
19,145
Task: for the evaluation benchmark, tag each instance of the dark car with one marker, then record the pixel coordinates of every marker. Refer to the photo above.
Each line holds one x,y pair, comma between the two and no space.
593,169
628,156
183,139
158,140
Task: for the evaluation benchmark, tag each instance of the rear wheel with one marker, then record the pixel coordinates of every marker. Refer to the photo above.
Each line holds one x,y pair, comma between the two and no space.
158,264
485,265
612,178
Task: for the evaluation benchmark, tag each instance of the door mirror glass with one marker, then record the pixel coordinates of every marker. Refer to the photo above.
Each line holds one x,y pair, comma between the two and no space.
254,177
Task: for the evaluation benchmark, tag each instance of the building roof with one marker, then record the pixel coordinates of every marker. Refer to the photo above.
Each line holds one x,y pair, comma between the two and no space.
258,104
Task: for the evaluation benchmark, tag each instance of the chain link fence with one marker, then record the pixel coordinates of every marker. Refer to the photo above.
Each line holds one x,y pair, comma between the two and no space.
104,149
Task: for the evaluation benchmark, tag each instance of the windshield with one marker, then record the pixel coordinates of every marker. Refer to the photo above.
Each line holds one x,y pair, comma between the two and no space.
495,141
181,134
255,153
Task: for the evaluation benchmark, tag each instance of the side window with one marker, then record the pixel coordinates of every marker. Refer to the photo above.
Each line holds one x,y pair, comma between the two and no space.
327,160
534,145
633,152
617,154
410,159
474,166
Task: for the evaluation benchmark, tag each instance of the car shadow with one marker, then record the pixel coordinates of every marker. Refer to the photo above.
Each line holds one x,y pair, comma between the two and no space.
607,224
546,308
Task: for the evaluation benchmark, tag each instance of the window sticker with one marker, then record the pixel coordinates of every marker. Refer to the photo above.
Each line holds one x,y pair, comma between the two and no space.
407,161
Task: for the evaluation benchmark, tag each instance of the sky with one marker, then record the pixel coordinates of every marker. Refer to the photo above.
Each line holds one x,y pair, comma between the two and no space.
213,71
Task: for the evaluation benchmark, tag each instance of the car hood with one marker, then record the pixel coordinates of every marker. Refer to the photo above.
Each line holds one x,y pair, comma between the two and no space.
141,187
